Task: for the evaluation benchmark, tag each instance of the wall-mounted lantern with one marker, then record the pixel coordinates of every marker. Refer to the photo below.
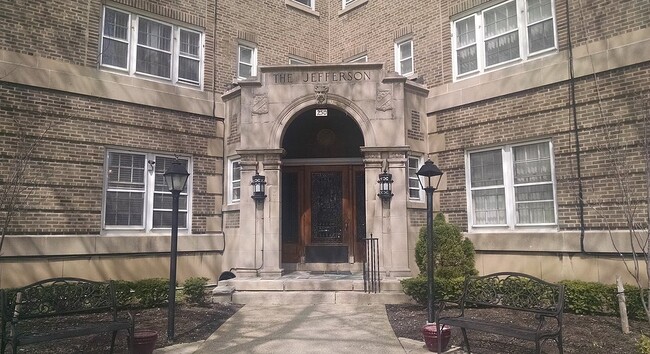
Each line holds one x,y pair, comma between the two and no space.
259,186
385,184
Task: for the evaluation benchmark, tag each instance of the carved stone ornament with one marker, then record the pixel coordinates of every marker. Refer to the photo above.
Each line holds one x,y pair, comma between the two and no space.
384,100
261,104
321,93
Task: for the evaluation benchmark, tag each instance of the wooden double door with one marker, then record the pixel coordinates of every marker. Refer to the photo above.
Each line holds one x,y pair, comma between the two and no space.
323,214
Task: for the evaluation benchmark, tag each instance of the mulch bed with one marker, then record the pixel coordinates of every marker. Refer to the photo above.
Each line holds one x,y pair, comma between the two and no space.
582,334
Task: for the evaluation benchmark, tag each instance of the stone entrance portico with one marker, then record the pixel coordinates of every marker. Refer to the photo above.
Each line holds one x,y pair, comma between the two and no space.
390,113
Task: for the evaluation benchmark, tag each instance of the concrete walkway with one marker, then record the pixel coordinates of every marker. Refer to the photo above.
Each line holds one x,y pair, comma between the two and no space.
322,328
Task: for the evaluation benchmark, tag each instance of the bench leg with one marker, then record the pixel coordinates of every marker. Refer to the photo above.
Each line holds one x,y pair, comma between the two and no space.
559,344
465,339
113,341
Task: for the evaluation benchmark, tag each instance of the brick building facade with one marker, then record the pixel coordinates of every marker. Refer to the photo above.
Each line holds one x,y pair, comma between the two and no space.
112,91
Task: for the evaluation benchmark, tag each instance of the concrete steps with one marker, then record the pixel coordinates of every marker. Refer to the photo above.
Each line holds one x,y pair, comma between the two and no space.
307,288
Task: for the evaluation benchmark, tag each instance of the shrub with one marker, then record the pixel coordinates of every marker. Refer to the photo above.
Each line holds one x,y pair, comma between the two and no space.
151,292
643,345
454,254
588,298
194,289
444,289
124,293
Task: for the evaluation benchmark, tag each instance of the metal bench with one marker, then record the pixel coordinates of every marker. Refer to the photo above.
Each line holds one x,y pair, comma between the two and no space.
94,305
542,302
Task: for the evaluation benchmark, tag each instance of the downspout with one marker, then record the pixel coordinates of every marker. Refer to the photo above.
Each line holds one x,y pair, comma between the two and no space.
572,95
214,90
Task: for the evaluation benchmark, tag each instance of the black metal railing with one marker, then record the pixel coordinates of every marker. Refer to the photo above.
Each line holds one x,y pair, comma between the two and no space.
371,281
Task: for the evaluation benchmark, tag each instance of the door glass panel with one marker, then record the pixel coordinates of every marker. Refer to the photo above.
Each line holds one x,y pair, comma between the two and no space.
326,207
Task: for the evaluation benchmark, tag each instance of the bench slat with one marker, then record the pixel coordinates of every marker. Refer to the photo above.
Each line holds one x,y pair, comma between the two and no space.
102,327
497,328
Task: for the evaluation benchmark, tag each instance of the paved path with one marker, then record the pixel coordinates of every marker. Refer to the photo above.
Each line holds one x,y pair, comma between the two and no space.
332,328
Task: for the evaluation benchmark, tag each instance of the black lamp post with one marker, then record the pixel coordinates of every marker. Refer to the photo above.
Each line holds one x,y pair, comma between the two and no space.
429,170
176,179
385,181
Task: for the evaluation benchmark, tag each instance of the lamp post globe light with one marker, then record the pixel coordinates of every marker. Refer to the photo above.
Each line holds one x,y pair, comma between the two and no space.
175,179
429,171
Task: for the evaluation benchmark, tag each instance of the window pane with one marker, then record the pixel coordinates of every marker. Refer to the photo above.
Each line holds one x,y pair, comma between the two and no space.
188,69
489,206
467,60
154,34
502,49
125,171
500,19
539,10
465,32
304,2
189,43
405,50
115,53
153,62
406,66
245,70
535,213
116,24
541,36
486,168
532,163
245,55
163,219
235,180
534,193
124,208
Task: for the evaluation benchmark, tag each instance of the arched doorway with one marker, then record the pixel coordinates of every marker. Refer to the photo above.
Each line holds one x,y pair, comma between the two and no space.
323,188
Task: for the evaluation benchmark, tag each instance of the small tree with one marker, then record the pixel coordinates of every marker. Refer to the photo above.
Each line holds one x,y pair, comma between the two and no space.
17,184
454,254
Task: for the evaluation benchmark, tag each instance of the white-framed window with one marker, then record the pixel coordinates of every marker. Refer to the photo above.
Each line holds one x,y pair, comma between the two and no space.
234,181
507,32
404,64
512,186
308,3
135,195
359,59
415,191
246,61
345,3
146,47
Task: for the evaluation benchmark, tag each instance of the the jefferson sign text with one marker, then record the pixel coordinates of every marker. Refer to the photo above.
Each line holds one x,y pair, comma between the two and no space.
320,76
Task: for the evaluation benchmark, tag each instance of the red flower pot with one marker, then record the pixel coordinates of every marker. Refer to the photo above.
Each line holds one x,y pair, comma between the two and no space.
431,337
144,341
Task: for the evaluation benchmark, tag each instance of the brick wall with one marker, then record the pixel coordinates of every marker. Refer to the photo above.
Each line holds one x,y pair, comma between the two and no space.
68,163
611,111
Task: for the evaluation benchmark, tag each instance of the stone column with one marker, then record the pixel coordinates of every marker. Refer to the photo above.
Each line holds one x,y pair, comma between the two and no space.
386,220
248,258
272,267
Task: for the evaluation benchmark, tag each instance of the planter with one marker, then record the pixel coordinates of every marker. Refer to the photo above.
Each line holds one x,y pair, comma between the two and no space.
431,337
144,341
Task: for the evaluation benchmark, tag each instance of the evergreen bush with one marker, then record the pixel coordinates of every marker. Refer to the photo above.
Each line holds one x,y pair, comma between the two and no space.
194,289
151,292
454,254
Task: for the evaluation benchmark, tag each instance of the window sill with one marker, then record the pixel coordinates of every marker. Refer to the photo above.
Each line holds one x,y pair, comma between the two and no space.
230,207
302,8
416,204
352,6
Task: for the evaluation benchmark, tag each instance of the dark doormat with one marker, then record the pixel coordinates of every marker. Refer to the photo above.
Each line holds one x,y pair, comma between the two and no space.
326,254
